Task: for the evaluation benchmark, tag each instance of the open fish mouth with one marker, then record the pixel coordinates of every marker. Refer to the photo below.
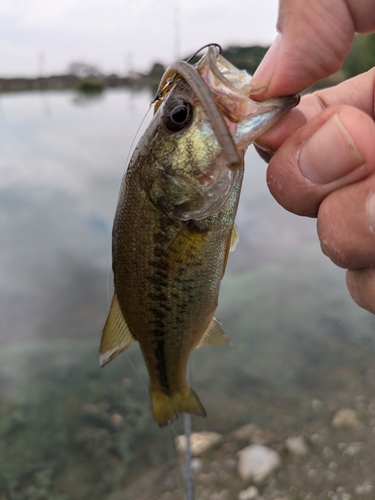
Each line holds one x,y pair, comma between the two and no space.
193,77
236,120
231,89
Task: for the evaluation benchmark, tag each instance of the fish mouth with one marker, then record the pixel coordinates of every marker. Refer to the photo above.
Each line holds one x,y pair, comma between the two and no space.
236,120
231,88
208,102
224,72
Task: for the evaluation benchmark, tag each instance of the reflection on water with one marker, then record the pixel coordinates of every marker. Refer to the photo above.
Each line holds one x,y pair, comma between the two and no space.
72,431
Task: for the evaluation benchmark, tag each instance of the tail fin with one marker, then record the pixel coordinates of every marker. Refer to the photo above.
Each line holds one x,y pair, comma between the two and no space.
166,407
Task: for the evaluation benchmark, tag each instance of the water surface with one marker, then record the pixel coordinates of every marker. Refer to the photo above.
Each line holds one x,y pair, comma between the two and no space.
72,430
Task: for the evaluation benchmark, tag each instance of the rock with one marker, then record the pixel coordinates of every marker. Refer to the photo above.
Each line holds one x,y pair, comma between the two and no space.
167,496
352,449
245,433
117,420
256,462
200,442
364,489
296,446
196,464
230,463
316,439
90,409
316,404
346,417
253,434
250,494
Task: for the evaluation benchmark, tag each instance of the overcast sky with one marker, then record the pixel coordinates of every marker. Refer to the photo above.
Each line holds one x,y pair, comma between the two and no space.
47,35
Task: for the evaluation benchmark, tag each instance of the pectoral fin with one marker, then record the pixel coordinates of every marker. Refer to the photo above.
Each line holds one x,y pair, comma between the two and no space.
184,250
233,238
214,335
231,245
116,334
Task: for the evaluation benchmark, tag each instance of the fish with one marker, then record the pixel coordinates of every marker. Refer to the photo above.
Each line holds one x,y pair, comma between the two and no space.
174,223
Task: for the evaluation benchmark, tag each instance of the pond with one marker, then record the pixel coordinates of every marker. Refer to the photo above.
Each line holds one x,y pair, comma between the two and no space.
302,350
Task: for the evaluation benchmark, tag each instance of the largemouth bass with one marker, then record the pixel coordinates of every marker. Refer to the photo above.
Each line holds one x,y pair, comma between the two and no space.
174,223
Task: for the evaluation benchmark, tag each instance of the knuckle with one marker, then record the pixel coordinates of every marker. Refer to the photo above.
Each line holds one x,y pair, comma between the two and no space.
335,240
361,286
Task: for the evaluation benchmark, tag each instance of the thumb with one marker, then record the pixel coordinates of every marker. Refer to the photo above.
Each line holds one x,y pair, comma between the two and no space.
314,38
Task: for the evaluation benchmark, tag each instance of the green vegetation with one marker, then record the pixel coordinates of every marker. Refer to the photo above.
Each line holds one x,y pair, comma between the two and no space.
91,85
361,58
247,58
156,72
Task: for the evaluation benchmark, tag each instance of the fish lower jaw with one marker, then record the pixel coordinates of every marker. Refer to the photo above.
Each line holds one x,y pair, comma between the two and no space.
166,407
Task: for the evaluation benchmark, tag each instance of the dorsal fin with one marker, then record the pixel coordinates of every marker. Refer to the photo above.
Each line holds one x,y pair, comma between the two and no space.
116,334
214,335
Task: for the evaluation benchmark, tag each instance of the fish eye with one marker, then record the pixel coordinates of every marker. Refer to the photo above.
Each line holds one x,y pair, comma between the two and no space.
177,115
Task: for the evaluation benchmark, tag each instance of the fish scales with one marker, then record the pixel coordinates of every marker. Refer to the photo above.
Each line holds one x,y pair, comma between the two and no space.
159,286
174,227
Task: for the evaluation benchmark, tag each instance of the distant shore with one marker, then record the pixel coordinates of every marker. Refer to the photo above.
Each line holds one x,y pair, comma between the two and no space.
360,59
65,82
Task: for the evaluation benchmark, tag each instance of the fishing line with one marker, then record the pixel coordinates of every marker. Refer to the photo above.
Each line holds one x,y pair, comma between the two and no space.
136,135
193,78
177,457
187,473
188,470
135,369
188,457
171,427
159,94
204,47
126,164
108,275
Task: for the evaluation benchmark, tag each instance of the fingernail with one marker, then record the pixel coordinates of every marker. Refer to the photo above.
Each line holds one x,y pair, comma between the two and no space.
329,154
266,68
370,206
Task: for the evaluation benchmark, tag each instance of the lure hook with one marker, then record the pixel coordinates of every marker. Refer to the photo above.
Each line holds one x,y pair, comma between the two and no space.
205,47
159,93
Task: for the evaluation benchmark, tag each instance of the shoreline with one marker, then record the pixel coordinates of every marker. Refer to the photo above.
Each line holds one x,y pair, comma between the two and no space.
65,82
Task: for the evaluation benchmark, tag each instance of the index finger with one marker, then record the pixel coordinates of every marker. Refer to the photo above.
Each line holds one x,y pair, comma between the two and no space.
314,38
341,122
357,92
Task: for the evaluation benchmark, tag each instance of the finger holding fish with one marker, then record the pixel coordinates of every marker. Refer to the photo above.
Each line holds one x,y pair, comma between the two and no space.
323,144
322,164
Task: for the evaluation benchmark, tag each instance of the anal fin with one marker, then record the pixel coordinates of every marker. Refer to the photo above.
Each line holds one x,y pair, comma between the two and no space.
116,334
214,335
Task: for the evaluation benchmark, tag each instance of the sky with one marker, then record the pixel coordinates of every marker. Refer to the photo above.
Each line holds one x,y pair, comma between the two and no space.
45,36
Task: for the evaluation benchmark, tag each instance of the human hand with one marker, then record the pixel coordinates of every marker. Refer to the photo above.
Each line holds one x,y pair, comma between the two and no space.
314,38
322,154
